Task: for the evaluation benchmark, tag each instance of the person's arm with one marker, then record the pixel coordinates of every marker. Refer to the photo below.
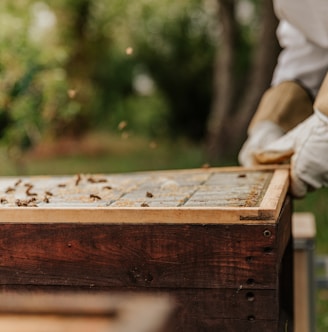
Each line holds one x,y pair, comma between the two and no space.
281,108
307,146
297,78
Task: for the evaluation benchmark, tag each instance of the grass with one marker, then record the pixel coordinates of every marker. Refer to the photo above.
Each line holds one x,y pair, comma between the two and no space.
316,203
103,153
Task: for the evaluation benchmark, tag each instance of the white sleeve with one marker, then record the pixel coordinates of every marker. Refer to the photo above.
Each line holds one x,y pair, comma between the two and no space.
300,60
310,17
303,35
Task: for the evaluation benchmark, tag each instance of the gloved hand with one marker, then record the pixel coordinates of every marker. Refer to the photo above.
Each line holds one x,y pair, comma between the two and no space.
262,134
281,108
307,145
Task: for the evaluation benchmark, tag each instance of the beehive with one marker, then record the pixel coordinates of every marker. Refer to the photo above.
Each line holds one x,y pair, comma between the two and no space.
217,239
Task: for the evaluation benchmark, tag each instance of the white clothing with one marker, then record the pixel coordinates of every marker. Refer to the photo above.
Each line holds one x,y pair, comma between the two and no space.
303,35
310,17
307,143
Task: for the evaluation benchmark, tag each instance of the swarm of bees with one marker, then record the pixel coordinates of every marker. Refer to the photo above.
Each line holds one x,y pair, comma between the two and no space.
31,196
90,188
34,197
146,190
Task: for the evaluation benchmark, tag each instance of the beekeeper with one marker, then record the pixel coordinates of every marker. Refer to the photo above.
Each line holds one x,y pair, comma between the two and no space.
291,121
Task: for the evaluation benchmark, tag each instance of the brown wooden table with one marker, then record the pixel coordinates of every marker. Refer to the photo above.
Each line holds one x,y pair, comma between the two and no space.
218,240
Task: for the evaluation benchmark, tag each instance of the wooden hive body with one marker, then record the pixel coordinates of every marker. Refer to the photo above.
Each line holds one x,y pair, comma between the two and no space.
218,240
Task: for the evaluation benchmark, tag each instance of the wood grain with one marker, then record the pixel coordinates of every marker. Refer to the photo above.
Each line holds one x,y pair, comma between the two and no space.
217,240
198,196
210,256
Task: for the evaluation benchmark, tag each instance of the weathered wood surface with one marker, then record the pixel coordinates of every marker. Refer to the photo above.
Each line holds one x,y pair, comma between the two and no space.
222,276
139,255
193,196
226,260
40,312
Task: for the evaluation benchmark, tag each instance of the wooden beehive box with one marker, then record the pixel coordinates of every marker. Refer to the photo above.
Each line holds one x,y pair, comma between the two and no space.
217,239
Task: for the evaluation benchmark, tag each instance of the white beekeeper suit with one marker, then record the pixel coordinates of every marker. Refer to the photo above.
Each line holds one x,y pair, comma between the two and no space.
292,118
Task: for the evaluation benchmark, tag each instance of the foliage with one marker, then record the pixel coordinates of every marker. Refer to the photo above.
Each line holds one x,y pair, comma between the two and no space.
103,152
178,52
28,77
70,65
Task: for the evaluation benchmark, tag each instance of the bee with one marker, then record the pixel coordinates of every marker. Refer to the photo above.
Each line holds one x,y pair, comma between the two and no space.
78,179
26,202
9,190
28,190
93,180
95,197
29,193
3,200
107,187
18,182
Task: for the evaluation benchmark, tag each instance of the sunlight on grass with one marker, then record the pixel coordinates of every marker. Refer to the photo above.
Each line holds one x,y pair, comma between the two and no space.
101,153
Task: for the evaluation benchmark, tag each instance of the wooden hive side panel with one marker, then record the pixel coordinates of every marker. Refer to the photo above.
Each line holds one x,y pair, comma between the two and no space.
145,255
212,256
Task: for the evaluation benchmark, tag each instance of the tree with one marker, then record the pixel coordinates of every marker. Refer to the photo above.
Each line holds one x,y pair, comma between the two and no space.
83,49
236,94
179,57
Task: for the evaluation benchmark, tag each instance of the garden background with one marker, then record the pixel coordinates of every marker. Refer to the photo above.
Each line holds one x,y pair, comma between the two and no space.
106,86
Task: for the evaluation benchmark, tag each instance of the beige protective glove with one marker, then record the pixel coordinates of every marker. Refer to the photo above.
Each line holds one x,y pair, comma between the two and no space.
259,136
307,146
282,107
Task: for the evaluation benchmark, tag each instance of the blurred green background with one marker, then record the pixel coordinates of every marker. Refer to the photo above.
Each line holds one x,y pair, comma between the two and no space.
117,86
131,69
